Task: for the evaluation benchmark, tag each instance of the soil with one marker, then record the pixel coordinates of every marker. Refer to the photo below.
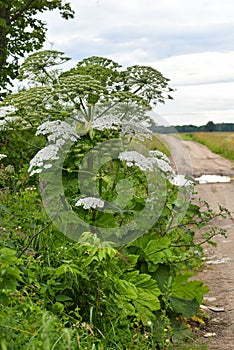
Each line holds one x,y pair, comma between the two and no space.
195,159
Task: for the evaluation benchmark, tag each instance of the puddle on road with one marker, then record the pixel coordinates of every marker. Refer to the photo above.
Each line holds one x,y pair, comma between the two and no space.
220,261
205,179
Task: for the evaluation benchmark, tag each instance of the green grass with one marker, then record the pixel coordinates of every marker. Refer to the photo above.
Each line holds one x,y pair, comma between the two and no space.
218,142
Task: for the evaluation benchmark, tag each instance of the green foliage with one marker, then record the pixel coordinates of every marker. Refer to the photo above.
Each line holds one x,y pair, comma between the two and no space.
89,294
22,32
9,272
93,294
76,93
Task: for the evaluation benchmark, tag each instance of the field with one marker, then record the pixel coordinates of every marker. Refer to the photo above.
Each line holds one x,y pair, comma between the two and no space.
218,142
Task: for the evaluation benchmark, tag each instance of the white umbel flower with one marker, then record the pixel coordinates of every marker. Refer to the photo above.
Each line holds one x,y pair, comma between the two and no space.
135,158
90,202
106,122
5,117
2,156
43,159
158,154
5,110
157,160
7,122
58,131
125,127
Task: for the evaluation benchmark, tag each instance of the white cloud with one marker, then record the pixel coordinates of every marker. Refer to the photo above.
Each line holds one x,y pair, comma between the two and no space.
190,42
200,68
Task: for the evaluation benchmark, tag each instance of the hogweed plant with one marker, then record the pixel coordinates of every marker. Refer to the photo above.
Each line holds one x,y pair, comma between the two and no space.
120,276
122,186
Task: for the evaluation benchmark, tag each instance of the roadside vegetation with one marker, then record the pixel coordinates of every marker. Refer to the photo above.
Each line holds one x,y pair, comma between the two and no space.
66,285
218,142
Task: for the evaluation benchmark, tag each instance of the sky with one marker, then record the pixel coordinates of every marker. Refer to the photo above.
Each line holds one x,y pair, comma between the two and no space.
191,42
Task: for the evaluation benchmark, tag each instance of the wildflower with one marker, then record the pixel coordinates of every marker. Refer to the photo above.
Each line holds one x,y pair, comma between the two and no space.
125,127
48,153
158,154
2,156
106,122
58,131
90,202
135,158
5,110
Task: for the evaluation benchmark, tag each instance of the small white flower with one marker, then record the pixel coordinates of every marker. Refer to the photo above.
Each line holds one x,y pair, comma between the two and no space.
2,156
126,127
90,202
135,128
5,110
135,158
36,171
31,188
47,166
40,160
164,166
58,131
106,122
158,154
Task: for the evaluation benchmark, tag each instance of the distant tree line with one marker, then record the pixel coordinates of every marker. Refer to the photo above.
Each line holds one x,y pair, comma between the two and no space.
209,127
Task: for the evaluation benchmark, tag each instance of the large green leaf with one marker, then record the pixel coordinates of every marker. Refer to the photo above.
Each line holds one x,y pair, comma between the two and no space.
162,275
181,287
187,308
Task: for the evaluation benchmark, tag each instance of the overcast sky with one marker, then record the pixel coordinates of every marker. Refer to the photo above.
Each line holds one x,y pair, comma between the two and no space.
191,42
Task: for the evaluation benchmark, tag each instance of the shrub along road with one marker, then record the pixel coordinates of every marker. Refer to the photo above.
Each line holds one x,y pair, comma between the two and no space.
193,158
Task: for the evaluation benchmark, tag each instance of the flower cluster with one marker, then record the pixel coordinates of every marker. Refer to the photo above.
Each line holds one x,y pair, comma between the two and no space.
40,161
6,110
157,160
2,156
58,133
125,127
134,158
9,119
90,202
106,122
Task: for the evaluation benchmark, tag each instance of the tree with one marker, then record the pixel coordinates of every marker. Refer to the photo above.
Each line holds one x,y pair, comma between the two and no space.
210,126
21,32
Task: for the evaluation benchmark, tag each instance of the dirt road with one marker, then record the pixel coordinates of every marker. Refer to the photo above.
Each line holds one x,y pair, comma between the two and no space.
192,158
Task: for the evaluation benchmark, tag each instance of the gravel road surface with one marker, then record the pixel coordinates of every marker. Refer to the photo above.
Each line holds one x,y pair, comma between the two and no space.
195,159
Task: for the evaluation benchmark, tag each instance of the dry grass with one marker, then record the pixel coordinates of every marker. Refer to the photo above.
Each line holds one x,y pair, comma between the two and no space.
156,143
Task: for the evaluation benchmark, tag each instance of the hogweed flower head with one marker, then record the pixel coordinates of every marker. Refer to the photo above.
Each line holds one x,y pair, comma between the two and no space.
43,159
58,131
90,202
2,156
